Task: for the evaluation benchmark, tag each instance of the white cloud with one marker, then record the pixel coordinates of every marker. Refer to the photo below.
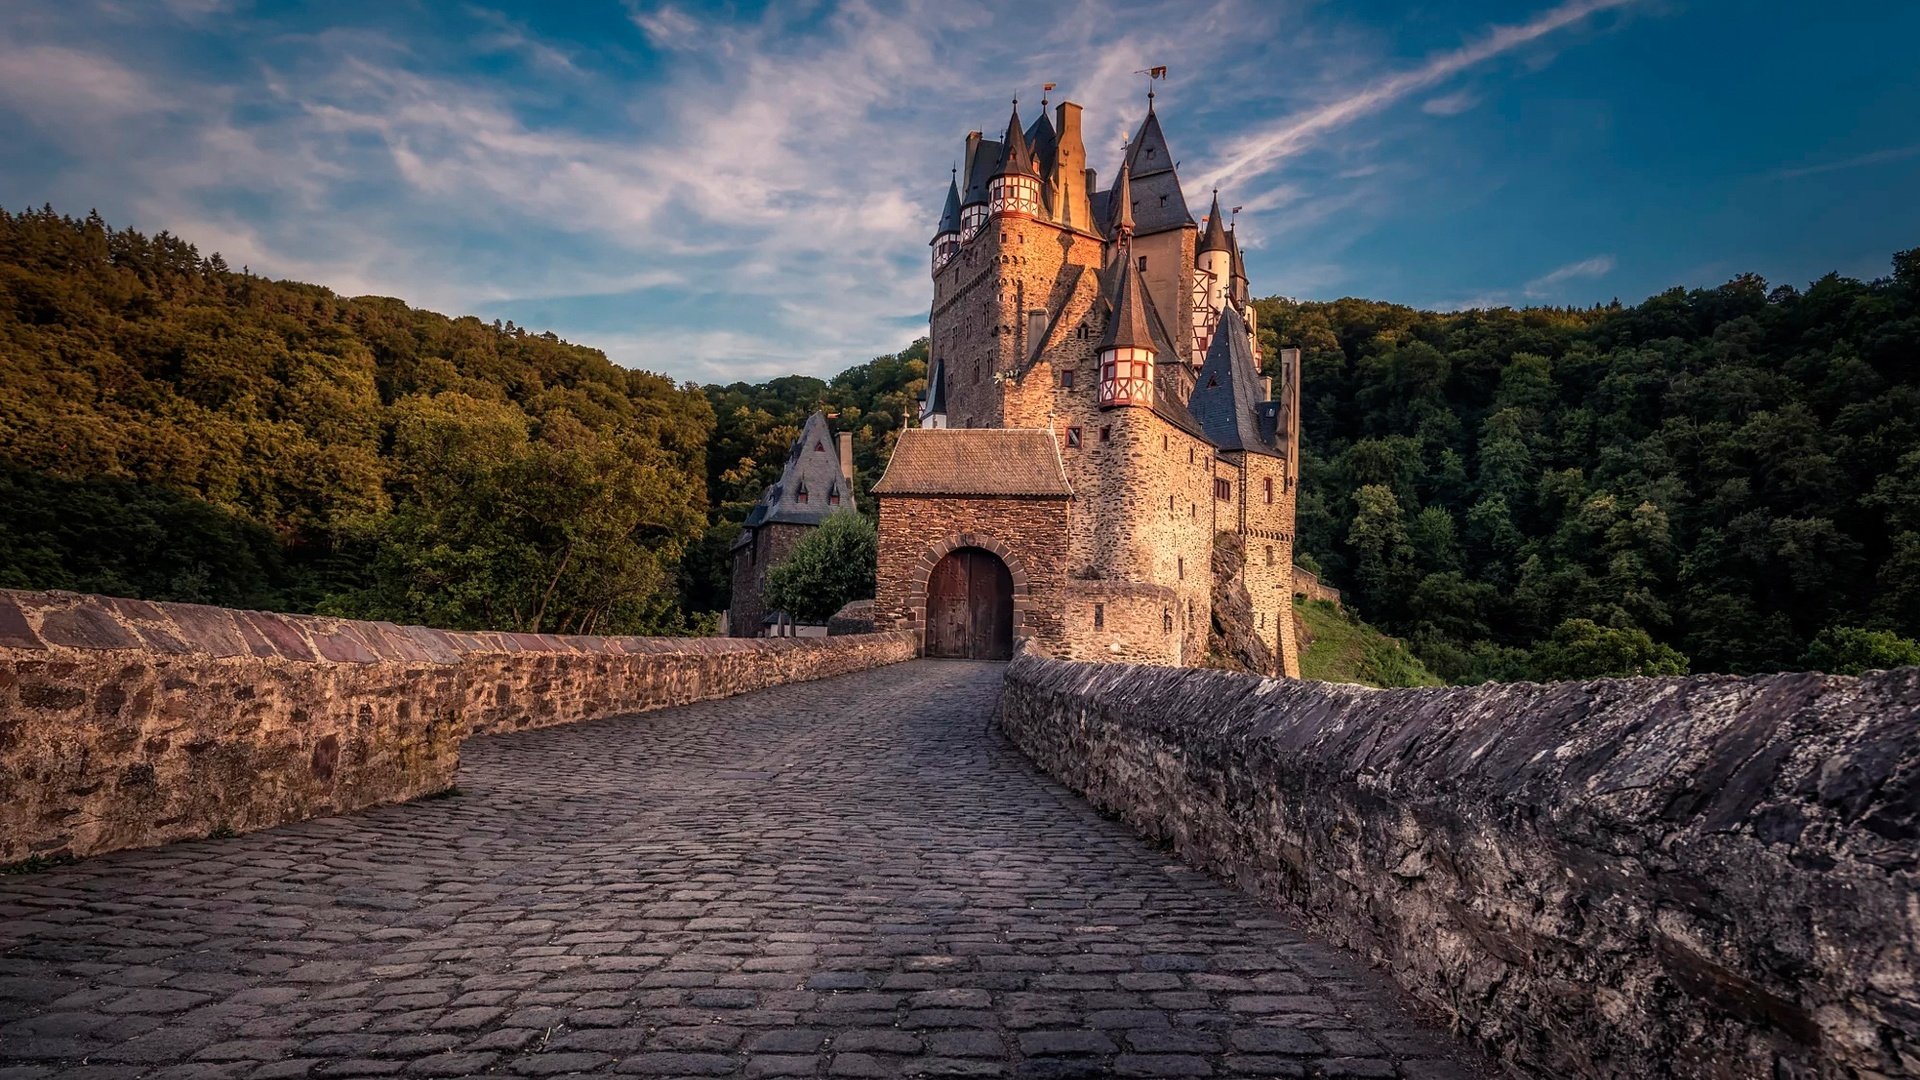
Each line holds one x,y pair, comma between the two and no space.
1545,285
1449,104
1262,151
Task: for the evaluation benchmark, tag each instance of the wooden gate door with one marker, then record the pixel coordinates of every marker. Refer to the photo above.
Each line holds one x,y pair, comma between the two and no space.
970,607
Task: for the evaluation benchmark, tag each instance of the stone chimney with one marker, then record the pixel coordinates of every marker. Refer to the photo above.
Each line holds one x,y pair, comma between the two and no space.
1266,388
846,463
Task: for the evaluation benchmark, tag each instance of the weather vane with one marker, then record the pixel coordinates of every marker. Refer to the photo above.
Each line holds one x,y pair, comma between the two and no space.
1153,74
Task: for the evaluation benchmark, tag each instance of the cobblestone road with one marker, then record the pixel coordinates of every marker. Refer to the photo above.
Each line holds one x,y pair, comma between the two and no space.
854,877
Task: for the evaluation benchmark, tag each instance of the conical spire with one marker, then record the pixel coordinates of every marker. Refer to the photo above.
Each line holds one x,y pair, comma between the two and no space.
1147,154
1122,212
1015,159
1216,237
950,217
1127,328
1240,282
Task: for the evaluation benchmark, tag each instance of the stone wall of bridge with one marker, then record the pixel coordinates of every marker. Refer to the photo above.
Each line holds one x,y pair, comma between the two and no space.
1699,877
126,724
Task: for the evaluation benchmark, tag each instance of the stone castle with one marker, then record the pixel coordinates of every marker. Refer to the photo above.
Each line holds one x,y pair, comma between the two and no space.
1094,386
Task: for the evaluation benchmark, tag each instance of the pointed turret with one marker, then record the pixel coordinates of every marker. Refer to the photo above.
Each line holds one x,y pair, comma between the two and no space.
1015,157
1240,293
1126,349
1121,204
1215,238
946,238
1156,187
1016,185
1213,262
1228,401
982,156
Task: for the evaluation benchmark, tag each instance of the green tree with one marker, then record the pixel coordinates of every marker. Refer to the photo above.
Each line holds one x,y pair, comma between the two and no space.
1583,649
830,567
1850,650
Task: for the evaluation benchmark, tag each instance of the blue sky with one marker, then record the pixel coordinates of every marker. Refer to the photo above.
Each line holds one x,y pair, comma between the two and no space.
746,190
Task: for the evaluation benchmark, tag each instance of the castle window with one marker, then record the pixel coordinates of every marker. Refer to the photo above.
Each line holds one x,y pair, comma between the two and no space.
817,448
1189,455
1193,510
1066,379
1073,438
800,493
1166,621
1222,489
1106,432
1269,554
1263,620
1269,489
833,495
1183,568
1163,443
1169,504
1099,616
1143,262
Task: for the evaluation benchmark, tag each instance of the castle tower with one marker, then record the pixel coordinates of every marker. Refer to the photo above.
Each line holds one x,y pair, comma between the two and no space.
1212,279
946,237
1126,352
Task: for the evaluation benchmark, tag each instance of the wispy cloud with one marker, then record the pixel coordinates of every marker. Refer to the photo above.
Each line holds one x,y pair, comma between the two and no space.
1877,157
737,195
1262,151
1546,284
1449,104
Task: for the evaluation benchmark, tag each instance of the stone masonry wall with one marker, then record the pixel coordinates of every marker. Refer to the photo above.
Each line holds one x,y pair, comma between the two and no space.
1690,877
1029,534
126,724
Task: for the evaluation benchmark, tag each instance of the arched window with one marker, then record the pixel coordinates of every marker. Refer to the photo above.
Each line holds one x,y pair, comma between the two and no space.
1269,489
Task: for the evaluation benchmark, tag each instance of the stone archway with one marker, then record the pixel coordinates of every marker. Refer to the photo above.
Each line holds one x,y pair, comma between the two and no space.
970,607
1013,588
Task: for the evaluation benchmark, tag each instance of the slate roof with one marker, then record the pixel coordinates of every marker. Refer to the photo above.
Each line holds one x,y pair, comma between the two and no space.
813,462
980,172
1226,399
936,394
1158,203
975,461
950,215
1216,234
1015,158
1128,326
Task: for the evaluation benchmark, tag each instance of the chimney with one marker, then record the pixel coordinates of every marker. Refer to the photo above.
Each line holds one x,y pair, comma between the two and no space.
846,463
1069,158
1266,388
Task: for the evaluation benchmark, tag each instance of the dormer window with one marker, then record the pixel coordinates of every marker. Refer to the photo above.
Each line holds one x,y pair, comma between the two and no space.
800,493
833,495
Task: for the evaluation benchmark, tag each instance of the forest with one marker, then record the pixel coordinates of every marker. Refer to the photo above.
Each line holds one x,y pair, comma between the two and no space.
1719,479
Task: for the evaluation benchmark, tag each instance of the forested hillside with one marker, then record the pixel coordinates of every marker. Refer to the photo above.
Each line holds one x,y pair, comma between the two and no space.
1712,480
1721,480
172,428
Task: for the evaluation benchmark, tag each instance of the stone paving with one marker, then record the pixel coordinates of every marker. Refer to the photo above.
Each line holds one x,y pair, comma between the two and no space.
853,877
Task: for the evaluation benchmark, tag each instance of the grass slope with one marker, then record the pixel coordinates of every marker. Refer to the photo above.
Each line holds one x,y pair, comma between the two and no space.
1338,648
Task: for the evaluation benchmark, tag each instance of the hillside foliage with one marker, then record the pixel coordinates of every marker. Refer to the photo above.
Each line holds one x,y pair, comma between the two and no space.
1710,480
174,429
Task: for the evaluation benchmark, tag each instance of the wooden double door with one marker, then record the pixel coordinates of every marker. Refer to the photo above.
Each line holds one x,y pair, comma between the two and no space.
970,607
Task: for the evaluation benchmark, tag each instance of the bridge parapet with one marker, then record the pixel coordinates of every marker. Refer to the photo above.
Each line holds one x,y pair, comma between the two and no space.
1696,877
125,723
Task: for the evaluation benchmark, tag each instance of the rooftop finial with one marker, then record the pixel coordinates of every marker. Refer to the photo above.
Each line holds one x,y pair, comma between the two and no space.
1045,89
1153,74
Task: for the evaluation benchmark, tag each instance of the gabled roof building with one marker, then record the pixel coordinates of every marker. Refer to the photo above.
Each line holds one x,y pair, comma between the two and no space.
1097,415
816,480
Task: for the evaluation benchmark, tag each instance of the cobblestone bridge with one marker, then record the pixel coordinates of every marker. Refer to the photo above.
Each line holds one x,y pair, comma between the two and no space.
853,877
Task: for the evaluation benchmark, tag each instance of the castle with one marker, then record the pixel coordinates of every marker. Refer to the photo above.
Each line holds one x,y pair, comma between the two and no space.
1094,384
